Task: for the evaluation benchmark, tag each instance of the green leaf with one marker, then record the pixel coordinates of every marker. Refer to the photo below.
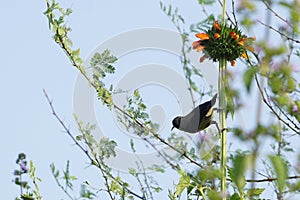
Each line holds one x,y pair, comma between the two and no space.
209,173
215,195
281,171
248,77
136,94
235,196
102,64
107,147
286,4
157,168
240,166
76,52
184,182
206,2
229,101
255,191
291,84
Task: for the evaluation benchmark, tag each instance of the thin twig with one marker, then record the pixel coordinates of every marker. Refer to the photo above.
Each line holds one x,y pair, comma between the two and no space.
277,15
295,129
64,126
227,15
97,164
233,12
63,189
282,111
269,179
272,109
161,154
280,33
77,144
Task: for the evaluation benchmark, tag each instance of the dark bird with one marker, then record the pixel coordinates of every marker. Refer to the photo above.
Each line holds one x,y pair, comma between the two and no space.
198,119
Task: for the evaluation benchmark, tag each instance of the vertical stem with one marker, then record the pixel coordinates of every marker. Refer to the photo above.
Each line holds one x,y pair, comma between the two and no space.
224,12
222,106
21,187
222,116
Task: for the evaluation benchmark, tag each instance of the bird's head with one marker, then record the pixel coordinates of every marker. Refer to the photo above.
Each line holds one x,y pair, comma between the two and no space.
176,122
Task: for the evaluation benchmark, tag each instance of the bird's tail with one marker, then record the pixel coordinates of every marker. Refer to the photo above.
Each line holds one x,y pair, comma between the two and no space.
213,100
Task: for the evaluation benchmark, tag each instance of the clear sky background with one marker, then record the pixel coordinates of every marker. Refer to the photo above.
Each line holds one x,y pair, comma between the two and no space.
31,61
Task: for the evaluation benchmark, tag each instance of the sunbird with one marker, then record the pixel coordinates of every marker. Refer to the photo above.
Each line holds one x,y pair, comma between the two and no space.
198,119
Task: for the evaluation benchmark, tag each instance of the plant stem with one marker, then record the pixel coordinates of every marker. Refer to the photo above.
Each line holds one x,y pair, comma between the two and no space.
222,116
224,12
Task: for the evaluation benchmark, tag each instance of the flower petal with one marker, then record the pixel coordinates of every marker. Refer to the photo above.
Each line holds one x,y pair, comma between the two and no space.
196,44
295,108
217,35
242,41
202,36
202,59
217,26
250,48
232,62
200,48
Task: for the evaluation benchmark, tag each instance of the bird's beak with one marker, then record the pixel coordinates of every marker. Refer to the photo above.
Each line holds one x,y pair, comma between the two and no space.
172,128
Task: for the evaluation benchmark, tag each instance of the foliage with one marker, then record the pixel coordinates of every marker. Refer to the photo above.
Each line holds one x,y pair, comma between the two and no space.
31,193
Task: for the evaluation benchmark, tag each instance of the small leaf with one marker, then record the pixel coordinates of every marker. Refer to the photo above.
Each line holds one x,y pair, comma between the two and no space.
235,196
240,166
281,171
255,191
184,182
248,77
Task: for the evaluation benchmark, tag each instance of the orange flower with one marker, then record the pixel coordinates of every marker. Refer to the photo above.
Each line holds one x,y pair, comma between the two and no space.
217,26
244,55
252,38
242,41
196,44
250,48
217,35
234,35
200,48
232,63
202,36
202,59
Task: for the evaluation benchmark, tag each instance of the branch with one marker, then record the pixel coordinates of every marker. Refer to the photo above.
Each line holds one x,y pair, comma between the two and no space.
233,13
161,154
282,111
295,129
270,179
95,162
280,33
277,15
64,126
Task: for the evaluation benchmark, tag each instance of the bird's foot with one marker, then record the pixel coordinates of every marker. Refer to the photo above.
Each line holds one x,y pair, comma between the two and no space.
217,109
217,125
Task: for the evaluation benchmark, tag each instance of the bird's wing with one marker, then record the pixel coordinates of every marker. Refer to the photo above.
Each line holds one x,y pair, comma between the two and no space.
190,122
